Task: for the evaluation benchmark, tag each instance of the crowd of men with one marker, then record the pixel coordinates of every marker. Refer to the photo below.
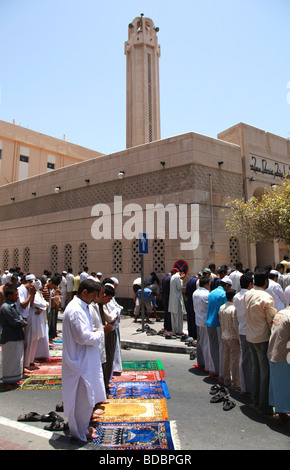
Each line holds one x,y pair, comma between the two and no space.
90,334
240,323
238,320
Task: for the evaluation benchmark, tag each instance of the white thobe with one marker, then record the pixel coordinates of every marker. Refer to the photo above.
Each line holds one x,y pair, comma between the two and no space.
176,303
276,291
35,329
82,375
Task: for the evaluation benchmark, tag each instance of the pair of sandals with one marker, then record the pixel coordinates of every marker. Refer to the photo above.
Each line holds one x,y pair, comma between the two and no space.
221,394
56,421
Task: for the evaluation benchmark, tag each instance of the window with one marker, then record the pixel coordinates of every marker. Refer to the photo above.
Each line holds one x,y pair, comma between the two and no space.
67,257
26,260
136,263
234,251
53,258
117,256
15,257
83,256
158,256
5,259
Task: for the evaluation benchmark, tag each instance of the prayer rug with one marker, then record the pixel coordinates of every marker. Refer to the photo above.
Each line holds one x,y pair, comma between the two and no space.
157,435
132,376
129,410
141,390
55,352
41,383
47,368
142,365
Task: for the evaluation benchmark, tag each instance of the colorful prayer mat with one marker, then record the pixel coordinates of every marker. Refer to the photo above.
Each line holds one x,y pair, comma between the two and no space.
47,368
134,436
142,365
55,352
41,383
132,376
141,390
134,410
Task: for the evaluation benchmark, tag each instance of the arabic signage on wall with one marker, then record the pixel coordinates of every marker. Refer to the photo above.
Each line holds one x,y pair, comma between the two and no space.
265,166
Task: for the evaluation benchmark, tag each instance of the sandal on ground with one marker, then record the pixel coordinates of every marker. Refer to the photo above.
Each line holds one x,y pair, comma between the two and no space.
221,396
228,404
214,389
56,426
32,416
50,417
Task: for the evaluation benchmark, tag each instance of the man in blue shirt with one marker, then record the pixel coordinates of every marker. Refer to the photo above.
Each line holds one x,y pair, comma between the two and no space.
216,299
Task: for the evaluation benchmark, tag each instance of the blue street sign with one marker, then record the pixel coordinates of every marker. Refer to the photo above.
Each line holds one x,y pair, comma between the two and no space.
143,244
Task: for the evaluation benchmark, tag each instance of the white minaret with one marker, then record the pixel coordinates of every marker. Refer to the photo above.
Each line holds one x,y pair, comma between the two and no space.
143,100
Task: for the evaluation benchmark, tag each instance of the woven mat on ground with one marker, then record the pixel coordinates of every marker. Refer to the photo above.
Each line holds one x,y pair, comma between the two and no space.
129,410
55,353
142,390
52,367
132,376
142,365
159,435
41,383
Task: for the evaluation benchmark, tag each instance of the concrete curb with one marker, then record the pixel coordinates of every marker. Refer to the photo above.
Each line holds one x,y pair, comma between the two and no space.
148,346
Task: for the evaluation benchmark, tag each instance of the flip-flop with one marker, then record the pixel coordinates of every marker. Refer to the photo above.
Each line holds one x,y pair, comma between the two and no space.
50,417
32,416
228,404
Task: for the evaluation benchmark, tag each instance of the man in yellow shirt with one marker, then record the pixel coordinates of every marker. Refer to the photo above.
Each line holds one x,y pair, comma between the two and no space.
260,312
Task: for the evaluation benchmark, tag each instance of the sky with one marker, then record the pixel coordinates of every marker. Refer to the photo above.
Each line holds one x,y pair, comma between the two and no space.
63,68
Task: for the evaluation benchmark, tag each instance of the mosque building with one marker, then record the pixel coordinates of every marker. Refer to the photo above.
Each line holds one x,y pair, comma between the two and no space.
64,206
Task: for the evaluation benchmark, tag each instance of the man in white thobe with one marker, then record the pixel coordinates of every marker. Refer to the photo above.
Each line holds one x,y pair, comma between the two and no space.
82,375
176,303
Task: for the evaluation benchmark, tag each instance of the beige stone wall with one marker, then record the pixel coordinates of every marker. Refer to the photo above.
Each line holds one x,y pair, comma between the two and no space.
265,159
49,218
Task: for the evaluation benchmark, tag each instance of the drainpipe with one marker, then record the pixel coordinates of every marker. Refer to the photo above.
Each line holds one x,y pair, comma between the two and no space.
211,210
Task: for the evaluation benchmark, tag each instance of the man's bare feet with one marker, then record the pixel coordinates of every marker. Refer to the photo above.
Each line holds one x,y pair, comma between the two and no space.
92,434
97,413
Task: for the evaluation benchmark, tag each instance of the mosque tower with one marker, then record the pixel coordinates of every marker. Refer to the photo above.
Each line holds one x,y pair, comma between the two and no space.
143,100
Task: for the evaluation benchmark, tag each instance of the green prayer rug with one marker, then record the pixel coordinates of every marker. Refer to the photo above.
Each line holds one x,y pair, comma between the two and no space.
41,383
142,365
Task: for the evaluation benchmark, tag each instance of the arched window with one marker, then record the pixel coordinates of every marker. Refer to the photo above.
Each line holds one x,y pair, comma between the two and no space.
158,255
234,251
26,259
136,263
117,256
15,257
83,256
5,259
53,258
67,256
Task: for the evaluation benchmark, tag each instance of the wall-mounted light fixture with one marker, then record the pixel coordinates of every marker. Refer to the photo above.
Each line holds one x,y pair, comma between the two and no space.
121,174
251,178
33,194
12,198
87,180
220,163
162,163
57,189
